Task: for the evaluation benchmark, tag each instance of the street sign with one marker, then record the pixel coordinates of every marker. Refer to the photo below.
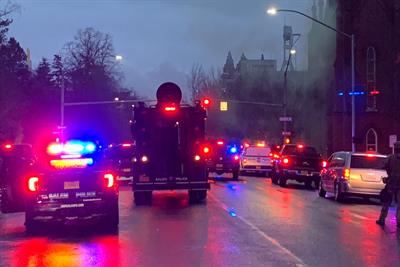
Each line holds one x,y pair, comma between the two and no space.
223,106
286,133
392,140
285,119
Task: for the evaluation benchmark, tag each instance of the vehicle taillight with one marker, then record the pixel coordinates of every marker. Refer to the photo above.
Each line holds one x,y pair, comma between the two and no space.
170,108
324,163
346,173
109,180
236,157
8,146
220,143
197,158
244,160
144,159
33,183
285,161
206,150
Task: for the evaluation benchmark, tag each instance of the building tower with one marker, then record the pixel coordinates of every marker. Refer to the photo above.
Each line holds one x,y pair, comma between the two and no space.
289,41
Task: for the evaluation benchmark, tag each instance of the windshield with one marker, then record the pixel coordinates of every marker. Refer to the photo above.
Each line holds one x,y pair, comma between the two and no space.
258,151
367,162
304,151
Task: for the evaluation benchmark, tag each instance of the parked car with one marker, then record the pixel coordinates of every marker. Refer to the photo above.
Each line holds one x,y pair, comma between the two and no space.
353,174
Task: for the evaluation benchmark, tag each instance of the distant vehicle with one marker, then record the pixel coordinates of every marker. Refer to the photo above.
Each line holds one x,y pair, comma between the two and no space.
297,162
171,151
121,156
223,160
15,161
353,174
73,184
256,159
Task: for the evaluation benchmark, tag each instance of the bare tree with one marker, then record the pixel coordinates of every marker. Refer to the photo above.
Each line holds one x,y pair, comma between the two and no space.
196,80
90,48
6,8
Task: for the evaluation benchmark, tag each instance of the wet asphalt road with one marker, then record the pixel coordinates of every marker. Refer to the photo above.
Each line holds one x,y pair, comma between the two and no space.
245,223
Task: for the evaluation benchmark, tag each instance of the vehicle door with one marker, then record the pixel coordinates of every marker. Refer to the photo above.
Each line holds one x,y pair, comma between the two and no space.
336,169
325,172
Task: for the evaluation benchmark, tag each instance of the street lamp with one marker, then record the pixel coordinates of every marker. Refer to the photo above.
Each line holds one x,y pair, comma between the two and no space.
274,11
119,58
293,51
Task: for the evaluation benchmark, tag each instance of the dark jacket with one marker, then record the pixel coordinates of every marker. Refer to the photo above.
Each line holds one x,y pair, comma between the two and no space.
393,170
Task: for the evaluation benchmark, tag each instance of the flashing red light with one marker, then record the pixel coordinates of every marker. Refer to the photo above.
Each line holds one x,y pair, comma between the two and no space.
170,108
206,150
370,155
236,157
246,145
300,146
206,102
8,146
33,183
374,92
285,161
126,145
110,180
220,143
72,156
324,164
270,154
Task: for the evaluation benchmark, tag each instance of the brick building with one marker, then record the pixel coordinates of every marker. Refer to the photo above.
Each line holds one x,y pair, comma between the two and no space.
376,26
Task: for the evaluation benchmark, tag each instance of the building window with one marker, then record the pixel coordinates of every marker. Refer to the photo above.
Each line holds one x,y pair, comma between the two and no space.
371,140
372,91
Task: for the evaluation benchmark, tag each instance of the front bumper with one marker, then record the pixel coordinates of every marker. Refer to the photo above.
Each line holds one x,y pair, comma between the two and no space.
256,168
301,175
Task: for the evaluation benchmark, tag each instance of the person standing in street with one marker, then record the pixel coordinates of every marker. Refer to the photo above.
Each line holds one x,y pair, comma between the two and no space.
392,185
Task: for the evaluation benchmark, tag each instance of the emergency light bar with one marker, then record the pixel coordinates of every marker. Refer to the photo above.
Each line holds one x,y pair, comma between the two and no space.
71,163
73,147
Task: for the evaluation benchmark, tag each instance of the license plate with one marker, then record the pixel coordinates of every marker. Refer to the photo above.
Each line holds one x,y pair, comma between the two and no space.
304,173
220,165
258,167
71,185
126,170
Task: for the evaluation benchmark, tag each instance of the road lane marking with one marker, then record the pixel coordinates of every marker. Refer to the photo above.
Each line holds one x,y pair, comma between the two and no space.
299,262
358,216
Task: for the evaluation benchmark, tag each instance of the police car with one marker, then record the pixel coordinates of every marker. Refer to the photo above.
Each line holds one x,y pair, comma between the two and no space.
73,183
222,160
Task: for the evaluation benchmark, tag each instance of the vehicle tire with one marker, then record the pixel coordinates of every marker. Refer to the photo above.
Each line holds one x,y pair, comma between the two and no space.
235,175
196,196
142,198
338,193
31,226
111,221
202,195
321,191
308,184
282,181
6,206
274,178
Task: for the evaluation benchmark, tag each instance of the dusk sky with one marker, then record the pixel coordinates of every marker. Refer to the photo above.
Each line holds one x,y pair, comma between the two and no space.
161,40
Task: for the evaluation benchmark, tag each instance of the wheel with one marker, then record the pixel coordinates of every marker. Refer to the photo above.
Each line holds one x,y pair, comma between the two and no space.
274,178
195,196
282,181
321,191
202,195
31,226
338,192
142,198
235,175
111,221
308,184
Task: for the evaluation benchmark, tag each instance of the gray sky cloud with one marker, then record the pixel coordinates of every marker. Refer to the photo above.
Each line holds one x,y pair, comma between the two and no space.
156,35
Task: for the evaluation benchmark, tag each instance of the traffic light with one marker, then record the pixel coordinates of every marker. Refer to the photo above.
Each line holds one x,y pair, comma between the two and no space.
287,140
206,102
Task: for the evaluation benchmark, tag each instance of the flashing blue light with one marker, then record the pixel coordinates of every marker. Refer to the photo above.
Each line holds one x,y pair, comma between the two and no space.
232,213
232,187
233,150
351,93
90,147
